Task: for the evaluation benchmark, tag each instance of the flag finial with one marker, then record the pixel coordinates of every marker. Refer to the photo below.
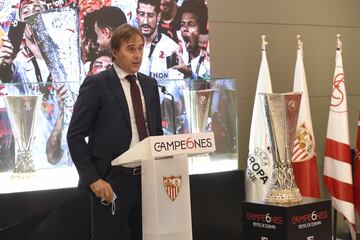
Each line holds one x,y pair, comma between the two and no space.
339,44
299,43
264,43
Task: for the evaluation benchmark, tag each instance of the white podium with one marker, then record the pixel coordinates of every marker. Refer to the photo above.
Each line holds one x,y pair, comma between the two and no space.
166,210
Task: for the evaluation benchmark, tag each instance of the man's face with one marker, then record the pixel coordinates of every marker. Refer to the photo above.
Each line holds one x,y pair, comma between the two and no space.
103,37
129,56
30,7
190,30
203,41
147,19
166,6
100,64
88,47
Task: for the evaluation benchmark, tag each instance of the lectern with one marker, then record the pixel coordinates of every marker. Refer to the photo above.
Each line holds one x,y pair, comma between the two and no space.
166,210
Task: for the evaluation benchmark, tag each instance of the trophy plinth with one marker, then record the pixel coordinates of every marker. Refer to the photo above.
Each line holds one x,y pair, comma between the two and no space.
310,219
281,114
23,112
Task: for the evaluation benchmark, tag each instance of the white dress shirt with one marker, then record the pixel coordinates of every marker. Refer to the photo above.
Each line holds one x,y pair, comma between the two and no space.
126,87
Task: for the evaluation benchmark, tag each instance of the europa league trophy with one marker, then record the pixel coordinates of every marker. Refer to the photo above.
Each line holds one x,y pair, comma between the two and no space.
23,112
57,33
197,106
281,114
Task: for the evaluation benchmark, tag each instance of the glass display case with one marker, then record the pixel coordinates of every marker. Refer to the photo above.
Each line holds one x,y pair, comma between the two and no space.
38,139
192,106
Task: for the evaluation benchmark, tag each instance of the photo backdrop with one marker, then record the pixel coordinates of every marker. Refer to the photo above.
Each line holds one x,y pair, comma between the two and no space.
70,47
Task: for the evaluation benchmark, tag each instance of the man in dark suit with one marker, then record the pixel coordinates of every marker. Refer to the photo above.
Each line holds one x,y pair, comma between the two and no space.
115,110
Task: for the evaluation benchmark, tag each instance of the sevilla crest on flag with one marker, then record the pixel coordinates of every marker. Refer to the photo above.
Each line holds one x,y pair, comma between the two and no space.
172,186
304,144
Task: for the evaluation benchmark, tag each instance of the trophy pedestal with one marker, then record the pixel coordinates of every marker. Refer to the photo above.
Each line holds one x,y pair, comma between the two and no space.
307,220
27,175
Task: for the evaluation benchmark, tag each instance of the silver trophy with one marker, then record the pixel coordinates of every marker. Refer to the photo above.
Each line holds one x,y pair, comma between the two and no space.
57,33
281,114
23,112
197,106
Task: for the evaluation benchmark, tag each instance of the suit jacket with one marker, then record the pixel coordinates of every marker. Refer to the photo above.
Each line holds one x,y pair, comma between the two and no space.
101,113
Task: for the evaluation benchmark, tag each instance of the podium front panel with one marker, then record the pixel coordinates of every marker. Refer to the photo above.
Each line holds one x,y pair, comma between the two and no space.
166,199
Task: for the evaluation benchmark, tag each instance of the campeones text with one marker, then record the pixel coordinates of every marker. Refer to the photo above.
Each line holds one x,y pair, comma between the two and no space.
189,143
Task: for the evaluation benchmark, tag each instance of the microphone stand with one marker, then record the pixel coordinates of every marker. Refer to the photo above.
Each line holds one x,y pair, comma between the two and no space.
164,91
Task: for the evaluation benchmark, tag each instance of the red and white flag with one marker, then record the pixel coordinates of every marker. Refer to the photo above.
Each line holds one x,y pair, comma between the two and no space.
304,160
259,163
357,170
338,163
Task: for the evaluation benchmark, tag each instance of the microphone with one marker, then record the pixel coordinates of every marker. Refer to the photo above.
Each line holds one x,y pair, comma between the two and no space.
165,92
201,60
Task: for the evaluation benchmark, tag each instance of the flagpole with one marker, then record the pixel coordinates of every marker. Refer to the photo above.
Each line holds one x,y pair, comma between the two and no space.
299,43
334,224
339,44
338,47
264,43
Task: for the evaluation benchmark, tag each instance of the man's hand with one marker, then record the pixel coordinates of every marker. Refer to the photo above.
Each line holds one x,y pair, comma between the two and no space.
6,51
102,190
182,67
61,93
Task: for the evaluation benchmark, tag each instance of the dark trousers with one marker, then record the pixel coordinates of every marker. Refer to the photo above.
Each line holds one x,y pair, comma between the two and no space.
105,225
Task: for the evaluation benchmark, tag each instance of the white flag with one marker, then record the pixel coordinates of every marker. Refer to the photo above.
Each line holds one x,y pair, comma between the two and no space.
259,163
304,155
338,163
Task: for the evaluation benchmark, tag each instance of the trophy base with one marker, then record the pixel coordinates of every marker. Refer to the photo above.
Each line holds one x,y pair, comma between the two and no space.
283,197
310,219
20,176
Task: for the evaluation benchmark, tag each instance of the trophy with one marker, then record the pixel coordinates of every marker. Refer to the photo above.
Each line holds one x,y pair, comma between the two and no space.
23,112
281,114
197,106
56,31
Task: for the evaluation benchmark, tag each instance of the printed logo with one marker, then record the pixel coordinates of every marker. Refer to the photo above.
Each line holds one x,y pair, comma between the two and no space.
259,166
203,100
172,186
189,143
27,104
338,94
162,55
292,105
310,220
304,144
